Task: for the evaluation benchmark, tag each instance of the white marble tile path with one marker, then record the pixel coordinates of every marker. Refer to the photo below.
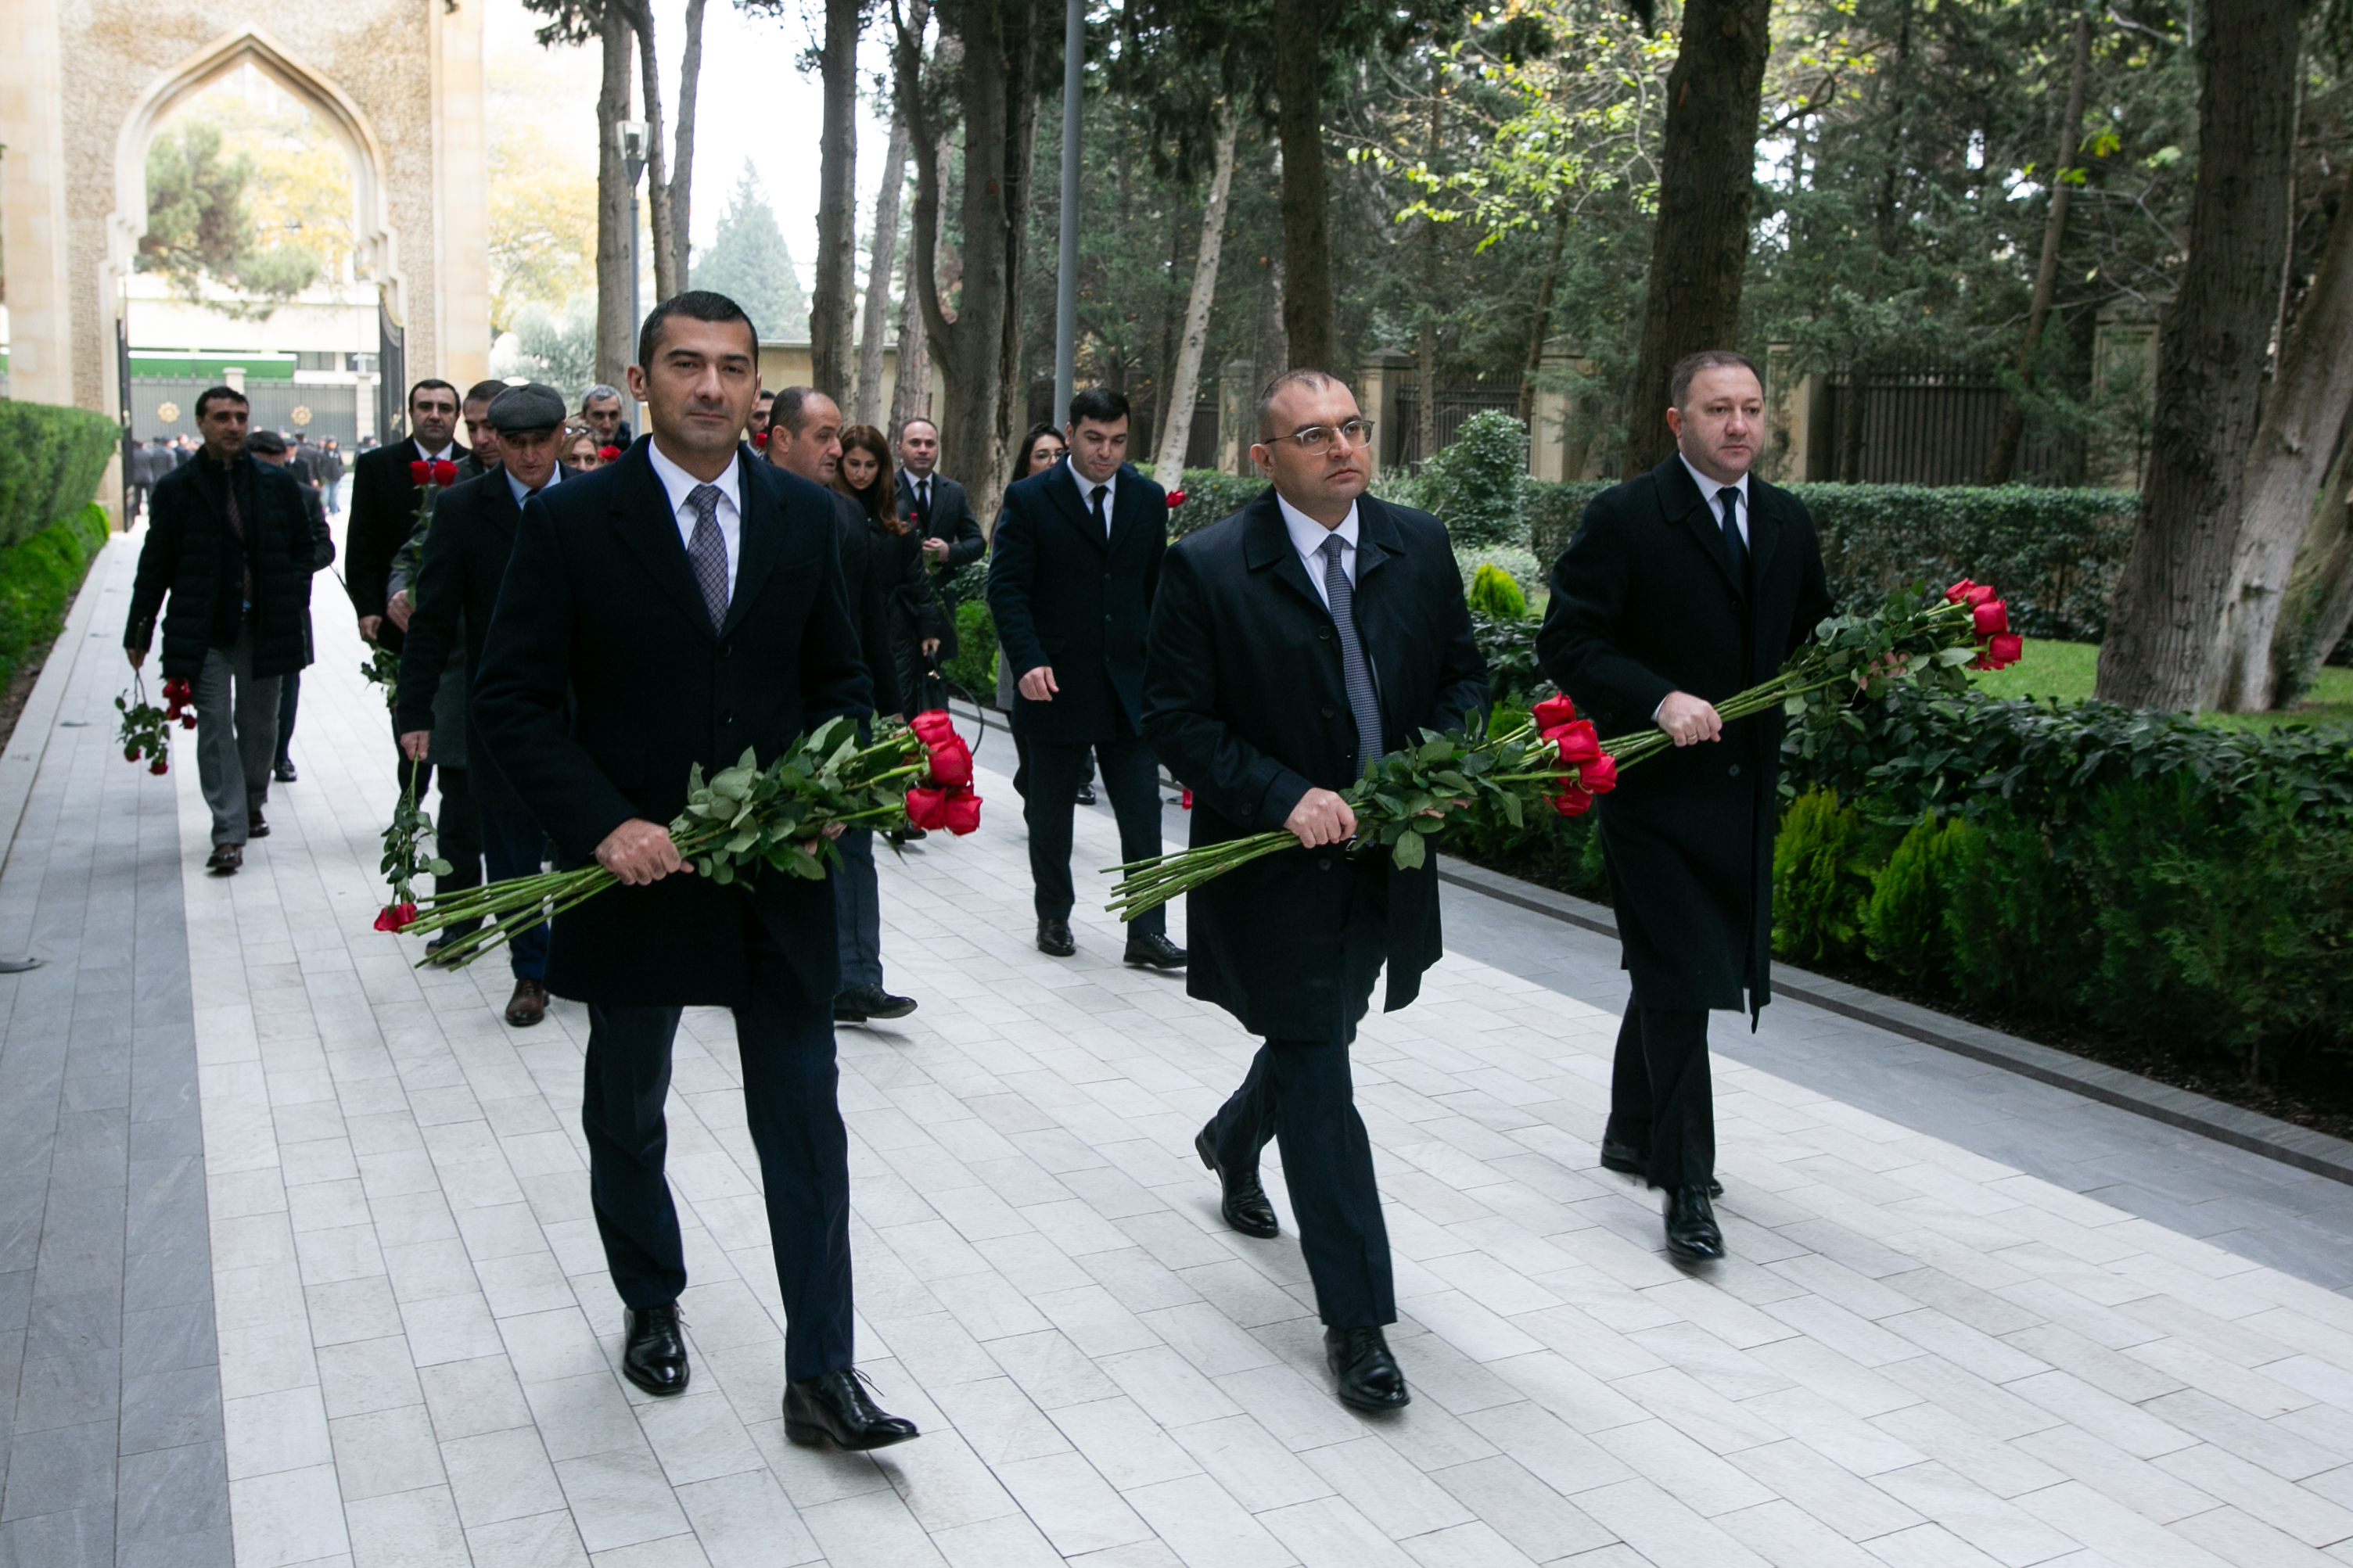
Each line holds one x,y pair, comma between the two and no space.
1916,1356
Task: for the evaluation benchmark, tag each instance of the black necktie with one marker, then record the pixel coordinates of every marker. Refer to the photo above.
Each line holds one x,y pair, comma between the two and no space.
1732,539
1101,491
923,496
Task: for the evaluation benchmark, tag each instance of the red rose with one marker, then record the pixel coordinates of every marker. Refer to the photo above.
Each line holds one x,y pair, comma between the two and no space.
961,811
1978,594
760,439
443,473
1186,804
396,917
932,724
1992,617
1598,776
1176,499
2007,647
1959,591
1572,802
927,809
1553,712
187,721
951,760
1578,742
421,471
130,754
608,453
159,767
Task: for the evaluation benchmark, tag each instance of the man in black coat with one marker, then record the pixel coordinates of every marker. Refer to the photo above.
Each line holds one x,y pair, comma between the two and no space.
1292,644
383,503
1071,575
1680,589
679,607
943,519
465,560
232,545
268,447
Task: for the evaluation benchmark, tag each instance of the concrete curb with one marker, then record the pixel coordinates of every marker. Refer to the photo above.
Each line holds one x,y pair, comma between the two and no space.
2258,1134
21,762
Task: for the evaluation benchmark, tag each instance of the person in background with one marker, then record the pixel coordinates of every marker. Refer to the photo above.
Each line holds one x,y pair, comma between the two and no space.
270,449
1039,450
485,457
759,425
600,410
806,437
138,474
942,517
580,449
331,474
230,545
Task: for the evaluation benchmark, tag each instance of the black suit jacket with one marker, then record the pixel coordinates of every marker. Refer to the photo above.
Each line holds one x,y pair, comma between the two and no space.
1646,601
1063,596
599,606
869,558
464,560
1246,704
384,514
948,517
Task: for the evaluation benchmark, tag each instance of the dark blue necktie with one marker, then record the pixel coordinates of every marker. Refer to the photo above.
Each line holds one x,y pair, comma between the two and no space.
1353,671
1732,539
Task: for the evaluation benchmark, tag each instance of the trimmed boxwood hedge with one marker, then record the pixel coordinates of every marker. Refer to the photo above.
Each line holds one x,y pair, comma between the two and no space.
50,462
38,577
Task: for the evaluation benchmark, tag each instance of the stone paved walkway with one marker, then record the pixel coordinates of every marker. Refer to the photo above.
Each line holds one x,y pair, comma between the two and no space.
1919,1354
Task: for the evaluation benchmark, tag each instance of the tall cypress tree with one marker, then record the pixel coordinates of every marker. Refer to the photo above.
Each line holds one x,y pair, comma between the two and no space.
748,262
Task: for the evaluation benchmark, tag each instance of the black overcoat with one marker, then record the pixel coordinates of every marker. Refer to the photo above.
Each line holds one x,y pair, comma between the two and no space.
383,516
188,535
1645,601
870,555
600,604
949,517
1245,704
1065,596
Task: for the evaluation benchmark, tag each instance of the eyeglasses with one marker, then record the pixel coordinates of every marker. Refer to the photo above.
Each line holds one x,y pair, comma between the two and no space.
1317,439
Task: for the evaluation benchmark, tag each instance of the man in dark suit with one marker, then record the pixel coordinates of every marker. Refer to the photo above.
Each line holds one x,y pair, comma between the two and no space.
481,434
943,519
465,560
675,608
600,409
230,546
268,447
383,504
1071,580
1682,588
1292,644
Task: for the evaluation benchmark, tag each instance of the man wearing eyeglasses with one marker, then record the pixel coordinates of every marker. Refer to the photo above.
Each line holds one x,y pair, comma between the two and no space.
1292,644
1071,580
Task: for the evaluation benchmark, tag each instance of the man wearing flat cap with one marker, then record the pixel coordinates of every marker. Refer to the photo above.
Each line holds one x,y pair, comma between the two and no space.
465,550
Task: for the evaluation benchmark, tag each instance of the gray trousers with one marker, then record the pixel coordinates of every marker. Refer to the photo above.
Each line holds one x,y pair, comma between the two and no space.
236,737
857,909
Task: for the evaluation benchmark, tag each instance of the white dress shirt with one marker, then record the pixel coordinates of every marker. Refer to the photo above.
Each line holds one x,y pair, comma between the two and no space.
448,454
1087,494
1707,492
680,486
521,494
1307,537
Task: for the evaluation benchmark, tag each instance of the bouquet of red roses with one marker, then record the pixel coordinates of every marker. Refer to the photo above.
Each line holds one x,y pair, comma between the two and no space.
1558,759
743,818
146,732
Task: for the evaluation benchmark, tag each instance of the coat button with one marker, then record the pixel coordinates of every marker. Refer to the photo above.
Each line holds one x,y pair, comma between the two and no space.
725,648
1735,770
1329,710
1324,863
727,716
1323,633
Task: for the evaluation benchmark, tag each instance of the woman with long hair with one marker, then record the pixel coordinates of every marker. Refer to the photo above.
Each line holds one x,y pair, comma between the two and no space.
865,476
1040,449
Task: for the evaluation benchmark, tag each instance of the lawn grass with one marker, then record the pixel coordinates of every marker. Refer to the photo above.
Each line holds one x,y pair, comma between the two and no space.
2068,670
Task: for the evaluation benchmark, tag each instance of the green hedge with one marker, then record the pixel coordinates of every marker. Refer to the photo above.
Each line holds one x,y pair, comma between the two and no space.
38,577
2054,554
972,671
50,462
1210,494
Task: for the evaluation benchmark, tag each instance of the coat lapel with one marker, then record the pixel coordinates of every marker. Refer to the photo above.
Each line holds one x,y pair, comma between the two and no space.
642,516
1063,488
1268,546
1128,508
1764,529
1681,500
764,524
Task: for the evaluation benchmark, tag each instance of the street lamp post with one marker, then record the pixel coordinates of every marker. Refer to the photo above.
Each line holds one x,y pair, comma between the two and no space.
632,133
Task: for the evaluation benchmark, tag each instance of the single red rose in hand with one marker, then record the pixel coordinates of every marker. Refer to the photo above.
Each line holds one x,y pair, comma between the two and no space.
927,809
1176,499
1578,742
1553,712
1598,776
444,472
608,453
1959,591
1187,802
159,767
760,439
1572,802
961,811
187,721
1992,617
2007,647
421,471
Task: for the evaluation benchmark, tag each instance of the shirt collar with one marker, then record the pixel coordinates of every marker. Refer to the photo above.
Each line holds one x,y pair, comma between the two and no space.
523,494
680,484
1307,535
444,455
1707,487
1087,486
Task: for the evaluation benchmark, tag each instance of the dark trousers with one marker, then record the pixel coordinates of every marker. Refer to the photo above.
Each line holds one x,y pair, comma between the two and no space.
457,828
1131,777
512,843
1300,1093
785,1039
857,911
289,692
1662,1102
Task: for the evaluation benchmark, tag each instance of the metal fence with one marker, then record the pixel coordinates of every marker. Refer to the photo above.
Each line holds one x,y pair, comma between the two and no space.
1926,425
317,412
1401,441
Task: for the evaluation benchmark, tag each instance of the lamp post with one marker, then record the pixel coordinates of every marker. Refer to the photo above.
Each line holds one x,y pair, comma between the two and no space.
1066,293
632,134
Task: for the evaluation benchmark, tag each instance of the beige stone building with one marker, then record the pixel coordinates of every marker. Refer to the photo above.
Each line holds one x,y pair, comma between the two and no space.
84,85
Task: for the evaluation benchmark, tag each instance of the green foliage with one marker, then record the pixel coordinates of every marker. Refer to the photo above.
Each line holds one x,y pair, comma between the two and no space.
972,671
558,349
1904,919
1211,494
749,263
1478,485
51,460
1821,877
199,227
1493,595
38,578
1510,647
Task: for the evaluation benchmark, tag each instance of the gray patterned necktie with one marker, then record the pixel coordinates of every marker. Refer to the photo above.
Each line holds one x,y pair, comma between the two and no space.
707,550
1353,668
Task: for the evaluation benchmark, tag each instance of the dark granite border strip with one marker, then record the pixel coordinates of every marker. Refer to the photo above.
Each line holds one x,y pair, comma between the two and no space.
2299,1147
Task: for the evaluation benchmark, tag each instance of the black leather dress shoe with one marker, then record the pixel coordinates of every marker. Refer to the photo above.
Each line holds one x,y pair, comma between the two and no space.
254,826
284,772
1246,1207
1054,939
1366,1373
833,1406
655,1357
1152,948
1086,795
1692,1235
860,1003
1628,1161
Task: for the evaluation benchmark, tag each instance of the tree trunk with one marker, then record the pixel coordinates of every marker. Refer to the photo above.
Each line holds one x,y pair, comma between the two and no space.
2002,462
616,332
911,397
1706,166
1184,386
2318,608
1541,328
2160,646
831,303
1012,408
2305,415
966,349
867,403
1312,338
681,169
665,231
1426,349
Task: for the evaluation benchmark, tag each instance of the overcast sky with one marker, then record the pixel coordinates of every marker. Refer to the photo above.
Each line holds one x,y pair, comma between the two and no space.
754,101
